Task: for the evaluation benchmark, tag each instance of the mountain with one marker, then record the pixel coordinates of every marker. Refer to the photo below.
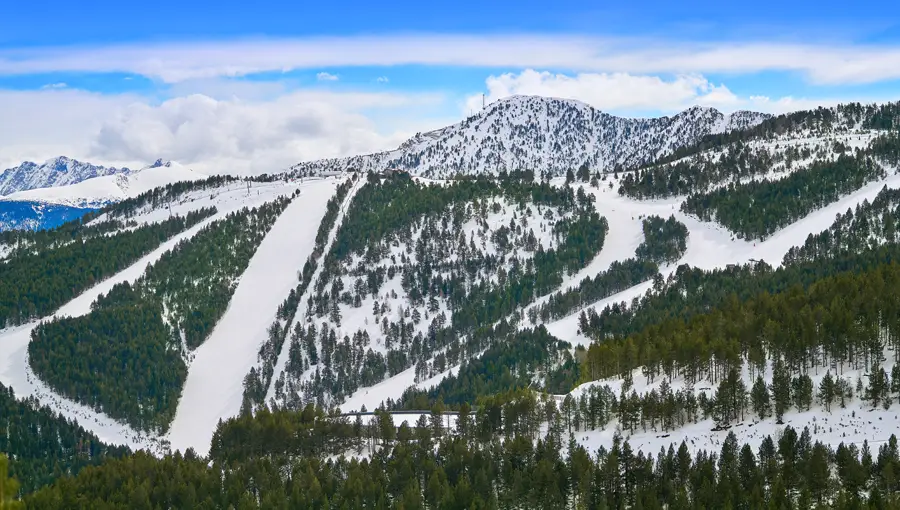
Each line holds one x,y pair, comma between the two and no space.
59,171
540,133
101,190
730,298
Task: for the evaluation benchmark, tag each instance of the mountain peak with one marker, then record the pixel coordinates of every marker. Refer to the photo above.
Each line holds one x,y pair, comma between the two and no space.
543,134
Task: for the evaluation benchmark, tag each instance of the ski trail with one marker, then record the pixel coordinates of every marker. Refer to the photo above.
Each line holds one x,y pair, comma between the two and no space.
214,386
16,372
302,308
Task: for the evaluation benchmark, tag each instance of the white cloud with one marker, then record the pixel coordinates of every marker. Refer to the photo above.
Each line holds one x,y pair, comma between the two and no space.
60,85
323,76
212,135
38,125
622,92
608,91
382,79
173,62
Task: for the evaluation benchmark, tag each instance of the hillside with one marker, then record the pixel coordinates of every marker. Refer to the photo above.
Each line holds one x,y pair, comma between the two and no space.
722,302
545,135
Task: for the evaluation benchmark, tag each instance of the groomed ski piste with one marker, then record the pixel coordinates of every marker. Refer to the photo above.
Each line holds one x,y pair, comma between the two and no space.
214,385
304,214
304,299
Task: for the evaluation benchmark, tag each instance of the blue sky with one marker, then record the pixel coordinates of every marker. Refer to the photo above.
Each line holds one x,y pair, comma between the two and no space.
257,85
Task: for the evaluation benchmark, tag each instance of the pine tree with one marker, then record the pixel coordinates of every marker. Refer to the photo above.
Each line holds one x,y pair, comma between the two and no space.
781,389
827,391
878,386
760,399
895,380
802,392
9,487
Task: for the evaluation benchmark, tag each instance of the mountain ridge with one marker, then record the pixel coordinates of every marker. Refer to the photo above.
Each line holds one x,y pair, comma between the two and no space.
58,171
531,132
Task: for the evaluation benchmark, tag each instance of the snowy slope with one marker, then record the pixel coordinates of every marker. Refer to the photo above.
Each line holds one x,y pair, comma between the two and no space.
214,388
110,188
709,245
59,171
855,423
304,303
16,372
542,134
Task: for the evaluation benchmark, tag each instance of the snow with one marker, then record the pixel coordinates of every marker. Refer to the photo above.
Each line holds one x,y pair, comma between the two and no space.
59,171
109,188
856,423
546,133
391,388
304,305
709,245
15,370
214,386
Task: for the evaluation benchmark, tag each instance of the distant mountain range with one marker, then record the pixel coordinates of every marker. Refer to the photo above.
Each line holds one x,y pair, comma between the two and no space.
101,190
541,134
63,189
518,133
59,171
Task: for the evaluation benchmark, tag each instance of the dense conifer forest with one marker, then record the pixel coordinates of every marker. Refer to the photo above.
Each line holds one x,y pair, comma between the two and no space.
757,209
515,450
44,446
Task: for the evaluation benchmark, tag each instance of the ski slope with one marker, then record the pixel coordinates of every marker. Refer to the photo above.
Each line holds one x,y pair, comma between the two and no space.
709,245
15,370
304,303
214,385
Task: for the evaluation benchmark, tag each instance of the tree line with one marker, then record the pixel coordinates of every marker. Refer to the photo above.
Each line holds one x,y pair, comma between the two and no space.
496,456
44,446
839,320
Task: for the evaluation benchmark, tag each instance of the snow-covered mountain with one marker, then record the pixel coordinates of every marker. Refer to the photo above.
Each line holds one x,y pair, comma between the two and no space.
541,134
59,171
101,190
